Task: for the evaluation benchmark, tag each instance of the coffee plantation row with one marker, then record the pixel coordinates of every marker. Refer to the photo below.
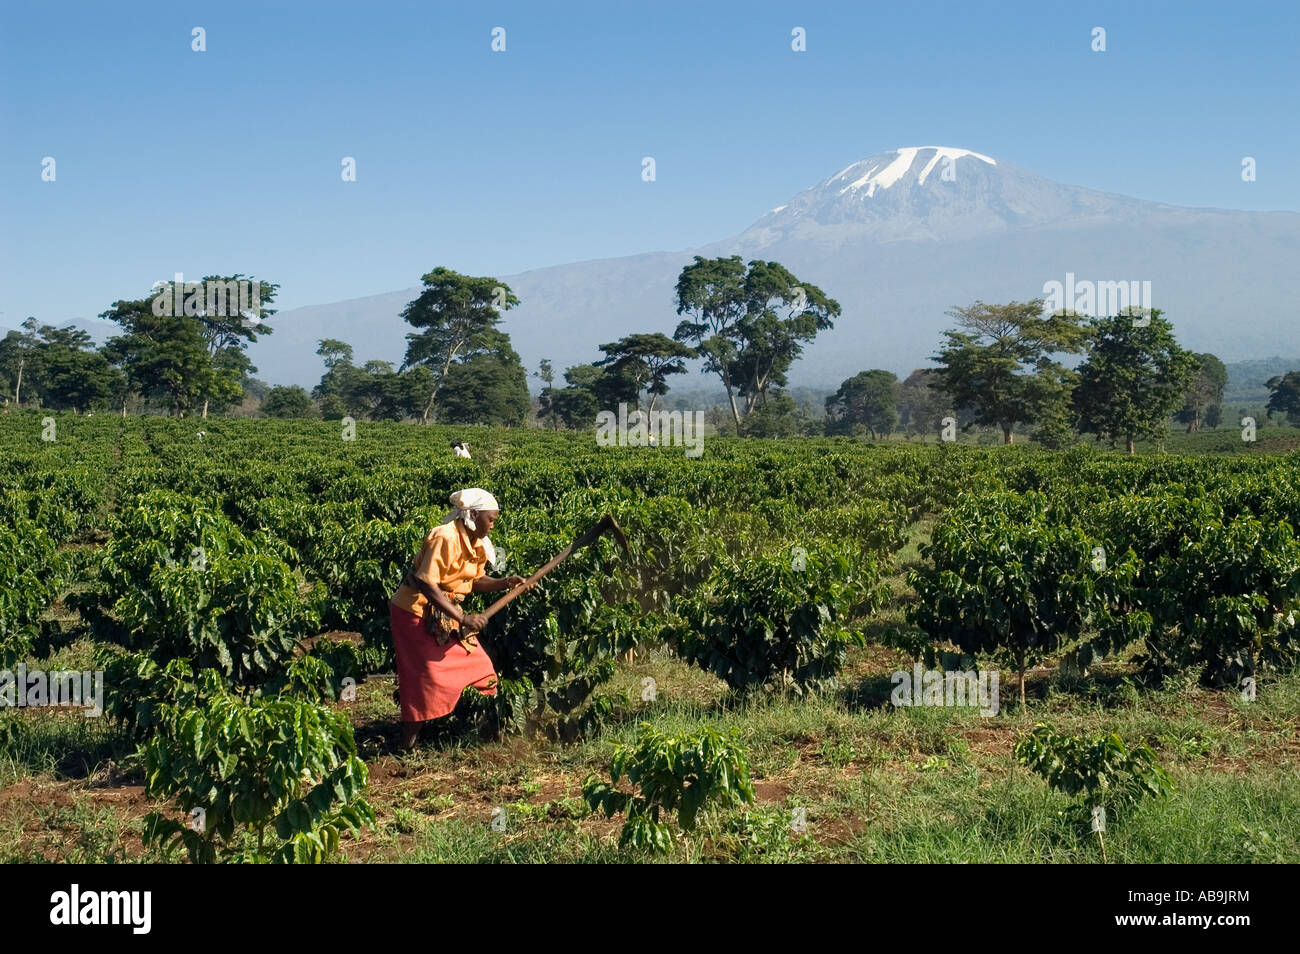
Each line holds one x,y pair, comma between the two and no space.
207,558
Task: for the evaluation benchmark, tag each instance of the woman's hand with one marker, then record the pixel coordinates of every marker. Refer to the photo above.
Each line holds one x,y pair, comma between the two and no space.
512,581
473,623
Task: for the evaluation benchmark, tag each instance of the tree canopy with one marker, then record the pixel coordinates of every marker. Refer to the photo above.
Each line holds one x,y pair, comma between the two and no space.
748,324
490,386
458,314
1000,364
868,402
1285,396
194,356
1134,378
643,362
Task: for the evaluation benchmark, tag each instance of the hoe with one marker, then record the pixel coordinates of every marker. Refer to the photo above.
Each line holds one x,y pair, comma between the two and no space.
607,524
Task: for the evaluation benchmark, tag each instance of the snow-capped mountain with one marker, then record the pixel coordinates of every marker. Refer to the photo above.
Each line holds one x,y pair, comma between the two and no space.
931,193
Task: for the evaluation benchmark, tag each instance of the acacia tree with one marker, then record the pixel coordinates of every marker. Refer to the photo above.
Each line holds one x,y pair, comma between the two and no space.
227,336
194,355
737,326
15,355
868,400
1001,365
1204,393
1134,378
545,402
644,362
456,312
1285,396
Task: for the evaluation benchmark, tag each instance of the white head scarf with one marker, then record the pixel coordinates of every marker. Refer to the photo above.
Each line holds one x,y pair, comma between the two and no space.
467,502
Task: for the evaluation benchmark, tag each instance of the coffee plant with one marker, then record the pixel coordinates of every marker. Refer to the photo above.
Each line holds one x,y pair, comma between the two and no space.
274,779
778,622
1098,772
672,773
1006,578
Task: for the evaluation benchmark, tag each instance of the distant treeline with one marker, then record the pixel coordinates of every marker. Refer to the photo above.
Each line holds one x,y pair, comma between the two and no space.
1056,377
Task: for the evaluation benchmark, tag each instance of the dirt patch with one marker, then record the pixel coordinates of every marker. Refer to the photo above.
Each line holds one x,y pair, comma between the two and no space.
306,644
27,792
838,831
45,819
771,791
990,741
385,768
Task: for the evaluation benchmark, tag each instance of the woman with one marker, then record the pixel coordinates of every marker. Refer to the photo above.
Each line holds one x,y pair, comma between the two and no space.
437,653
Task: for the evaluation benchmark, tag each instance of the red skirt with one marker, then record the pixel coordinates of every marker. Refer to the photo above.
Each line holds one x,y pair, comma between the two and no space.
430,678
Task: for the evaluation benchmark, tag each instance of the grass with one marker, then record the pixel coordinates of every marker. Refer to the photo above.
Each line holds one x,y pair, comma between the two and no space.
874,783
916,785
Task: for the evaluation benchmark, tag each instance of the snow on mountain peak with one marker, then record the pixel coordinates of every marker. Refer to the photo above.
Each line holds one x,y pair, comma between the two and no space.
882,175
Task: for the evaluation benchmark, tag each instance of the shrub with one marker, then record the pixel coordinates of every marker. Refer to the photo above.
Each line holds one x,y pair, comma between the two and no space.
554,646
674,773
1008,579
778,621
239,615
281,770
1097,772
1221,604
29,582
360,566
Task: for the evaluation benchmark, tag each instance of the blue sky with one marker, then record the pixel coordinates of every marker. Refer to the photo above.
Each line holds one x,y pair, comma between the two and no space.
229,160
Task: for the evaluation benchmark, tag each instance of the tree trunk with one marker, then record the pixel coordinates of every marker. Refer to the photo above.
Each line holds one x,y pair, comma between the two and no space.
446,366
424,415
205,409
1007,436
18,388
1128,443
735,411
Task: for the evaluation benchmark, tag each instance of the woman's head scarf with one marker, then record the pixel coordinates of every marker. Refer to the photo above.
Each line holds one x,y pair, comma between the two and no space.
466,504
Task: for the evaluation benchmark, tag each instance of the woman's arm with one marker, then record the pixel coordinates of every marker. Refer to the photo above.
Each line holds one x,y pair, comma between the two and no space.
440,599
486,584
430,566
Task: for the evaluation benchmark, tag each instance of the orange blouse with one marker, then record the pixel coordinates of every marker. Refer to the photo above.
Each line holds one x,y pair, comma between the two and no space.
448,560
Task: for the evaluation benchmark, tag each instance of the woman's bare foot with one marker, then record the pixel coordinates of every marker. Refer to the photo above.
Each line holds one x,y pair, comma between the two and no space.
410,735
